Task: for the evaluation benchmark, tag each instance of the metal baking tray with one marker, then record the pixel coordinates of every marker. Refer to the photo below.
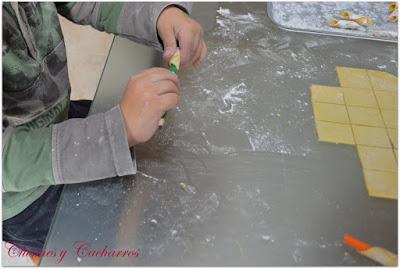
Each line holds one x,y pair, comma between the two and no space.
312,17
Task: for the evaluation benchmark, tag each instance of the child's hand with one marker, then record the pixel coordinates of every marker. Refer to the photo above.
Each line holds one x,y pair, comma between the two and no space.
174,26
147,97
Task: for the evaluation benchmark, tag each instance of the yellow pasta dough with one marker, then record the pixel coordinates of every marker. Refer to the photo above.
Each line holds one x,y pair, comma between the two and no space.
325,94
371,136
365,116
363,111
382,80
390,118
356,97
330,112
381,184
334,132
386,99
373,158
393,136
353,78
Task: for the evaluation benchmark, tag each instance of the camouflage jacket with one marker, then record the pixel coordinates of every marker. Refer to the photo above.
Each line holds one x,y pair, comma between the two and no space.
41,147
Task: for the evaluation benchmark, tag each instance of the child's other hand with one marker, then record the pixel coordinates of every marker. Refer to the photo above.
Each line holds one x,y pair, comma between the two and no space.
175,27
147,97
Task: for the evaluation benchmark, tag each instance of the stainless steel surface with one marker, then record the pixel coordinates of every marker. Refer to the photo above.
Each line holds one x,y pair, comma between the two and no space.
258,188
312,18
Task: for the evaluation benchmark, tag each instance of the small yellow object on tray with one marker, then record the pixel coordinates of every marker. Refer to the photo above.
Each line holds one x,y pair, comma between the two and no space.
393,6
361,20
362,112
393,10
344,24
393,17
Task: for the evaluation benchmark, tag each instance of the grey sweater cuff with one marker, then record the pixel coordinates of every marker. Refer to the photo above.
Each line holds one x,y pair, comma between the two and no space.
92,148
138,21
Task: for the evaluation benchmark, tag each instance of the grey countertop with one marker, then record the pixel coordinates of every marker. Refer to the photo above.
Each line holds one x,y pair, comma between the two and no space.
258,188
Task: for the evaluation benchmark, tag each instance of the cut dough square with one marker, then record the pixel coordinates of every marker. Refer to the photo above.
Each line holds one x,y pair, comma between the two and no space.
334,132
330,112
390,118
373,158
381,184
353,78
357,97
386,99
365,116
393,136
382,80
325,94
371,136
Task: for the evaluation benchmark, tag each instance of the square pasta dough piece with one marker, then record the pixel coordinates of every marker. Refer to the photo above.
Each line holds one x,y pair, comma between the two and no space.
373,158
390,118
330,112
353,78
357,97
386,99
371,136
325,94
334,132
382,80
393,136
381,184
365,116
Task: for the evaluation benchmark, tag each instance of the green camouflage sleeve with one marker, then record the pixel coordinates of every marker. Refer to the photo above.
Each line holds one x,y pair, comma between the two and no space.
134,20
27,155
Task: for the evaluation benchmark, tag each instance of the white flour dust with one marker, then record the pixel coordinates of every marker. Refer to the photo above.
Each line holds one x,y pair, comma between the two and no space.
233,97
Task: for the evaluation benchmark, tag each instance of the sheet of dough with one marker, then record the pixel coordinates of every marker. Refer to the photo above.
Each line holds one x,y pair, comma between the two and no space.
386,99
382,80
365,116
330,112
371,136
355,78
325,94
393,136
356,97
390,118
334,132
373,158
381,184
370,100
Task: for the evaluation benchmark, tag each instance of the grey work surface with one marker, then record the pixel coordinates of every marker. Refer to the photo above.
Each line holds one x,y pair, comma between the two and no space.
260,188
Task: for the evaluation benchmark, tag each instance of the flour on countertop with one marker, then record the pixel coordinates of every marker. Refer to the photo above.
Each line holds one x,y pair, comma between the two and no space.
233,97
